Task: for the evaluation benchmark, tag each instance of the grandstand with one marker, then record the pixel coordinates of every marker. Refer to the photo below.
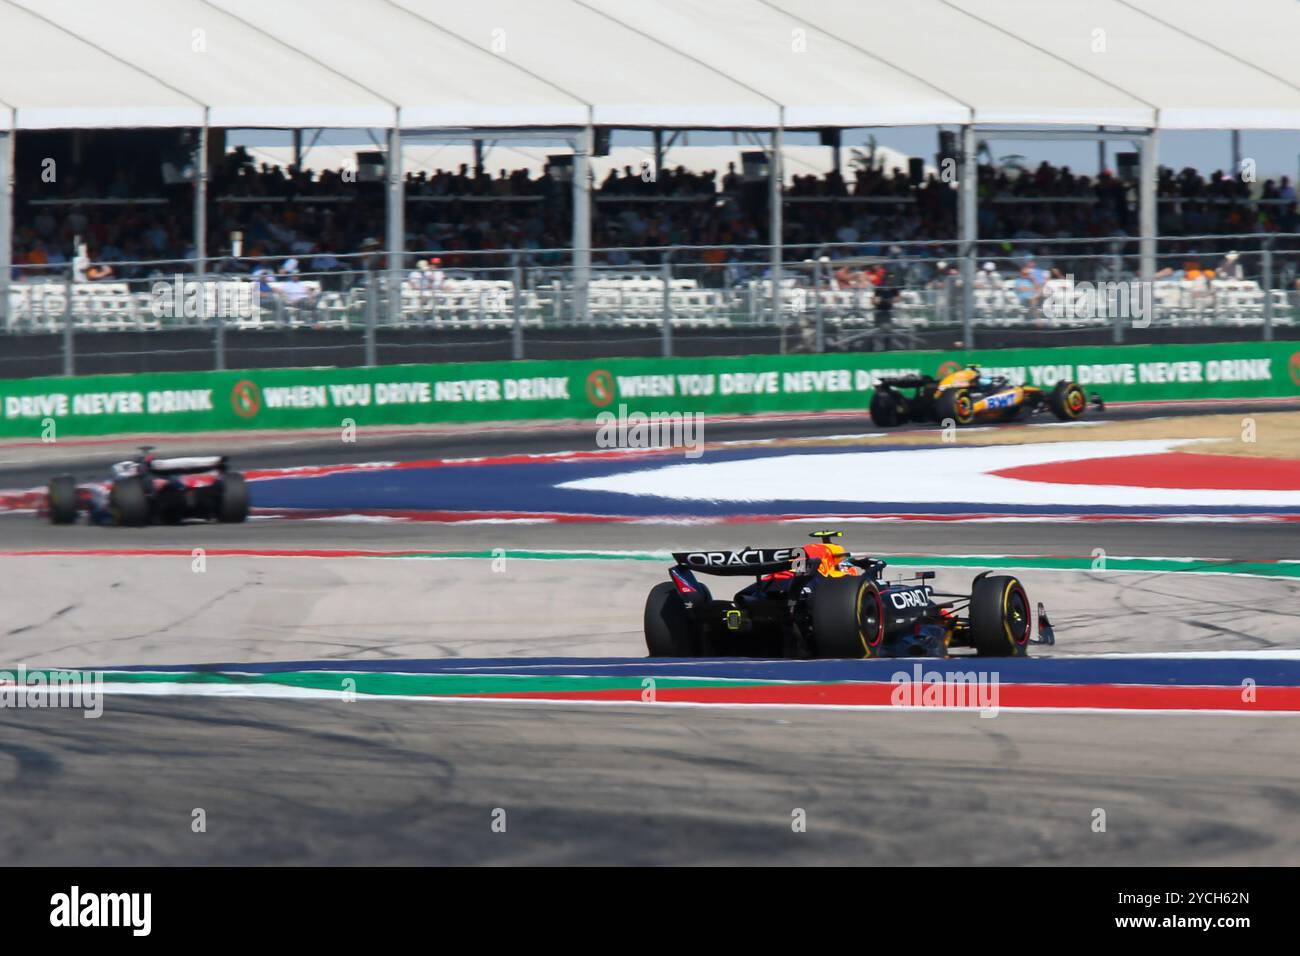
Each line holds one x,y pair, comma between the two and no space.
650,257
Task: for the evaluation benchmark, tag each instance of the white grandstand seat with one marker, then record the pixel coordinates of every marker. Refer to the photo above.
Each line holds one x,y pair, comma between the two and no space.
1169,301
911,309
1283,313
48,302
1238,302
112,312
20,305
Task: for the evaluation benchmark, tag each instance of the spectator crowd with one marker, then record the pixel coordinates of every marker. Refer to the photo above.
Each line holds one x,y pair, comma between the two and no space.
316,217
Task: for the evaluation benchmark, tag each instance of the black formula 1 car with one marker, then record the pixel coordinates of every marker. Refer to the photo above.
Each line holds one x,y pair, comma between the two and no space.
820,601
149,490
967,395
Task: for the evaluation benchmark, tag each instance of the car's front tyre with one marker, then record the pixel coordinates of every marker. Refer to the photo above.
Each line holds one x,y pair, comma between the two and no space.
1067,401
1000,624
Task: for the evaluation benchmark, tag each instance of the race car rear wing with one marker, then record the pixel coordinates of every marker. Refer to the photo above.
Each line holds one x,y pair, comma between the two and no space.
745,561
906,381
188,466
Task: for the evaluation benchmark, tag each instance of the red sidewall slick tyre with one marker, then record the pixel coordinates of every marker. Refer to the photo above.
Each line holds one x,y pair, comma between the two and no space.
1067,401
955,403
999,616
848,618
669,630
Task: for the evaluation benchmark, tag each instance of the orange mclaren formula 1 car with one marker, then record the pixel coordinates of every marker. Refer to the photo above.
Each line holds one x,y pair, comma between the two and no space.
820,601
968,395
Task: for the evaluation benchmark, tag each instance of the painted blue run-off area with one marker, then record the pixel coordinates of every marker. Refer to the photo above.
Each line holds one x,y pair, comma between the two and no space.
1148,671
533,487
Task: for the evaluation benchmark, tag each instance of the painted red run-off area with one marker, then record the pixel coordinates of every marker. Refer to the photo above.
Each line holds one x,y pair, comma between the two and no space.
1169,470
1010,696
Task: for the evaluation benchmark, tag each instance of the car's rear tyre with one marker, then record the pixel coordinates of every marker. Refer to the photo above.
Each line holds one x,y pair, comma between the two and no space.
127,502
1000,624
889,409
62,500
955,404
232,505
1067,401
669,630
848,618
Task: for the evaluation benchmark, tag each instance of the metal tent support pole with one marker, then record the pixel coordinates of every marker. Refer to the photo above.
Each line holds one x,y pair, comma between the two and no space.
201,251
1147,223
1266,280
968,229
582,148
372,355
372,314
666,271
69,358
517,312
776,226
820,332
396,226
6,224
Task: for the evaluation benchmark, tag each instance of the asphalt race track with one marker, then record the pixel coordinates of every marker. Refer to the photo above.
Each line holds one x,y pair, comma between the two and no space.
418,782
312,783
110,610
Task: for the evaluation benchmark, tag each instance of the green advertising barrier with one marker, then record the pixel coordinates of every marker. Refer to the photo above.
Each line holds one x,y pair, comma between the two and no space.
580,389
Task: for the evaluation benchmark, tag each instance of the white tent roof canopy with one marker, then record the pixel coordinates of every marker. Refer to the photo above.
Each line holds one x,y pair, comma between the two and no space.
51,79
730,64
1194,83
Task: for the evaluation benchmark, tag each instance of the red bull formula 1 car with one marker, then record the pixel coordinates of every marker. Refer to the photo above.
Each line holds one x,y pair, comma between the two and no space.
149,490
820,601
969,395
